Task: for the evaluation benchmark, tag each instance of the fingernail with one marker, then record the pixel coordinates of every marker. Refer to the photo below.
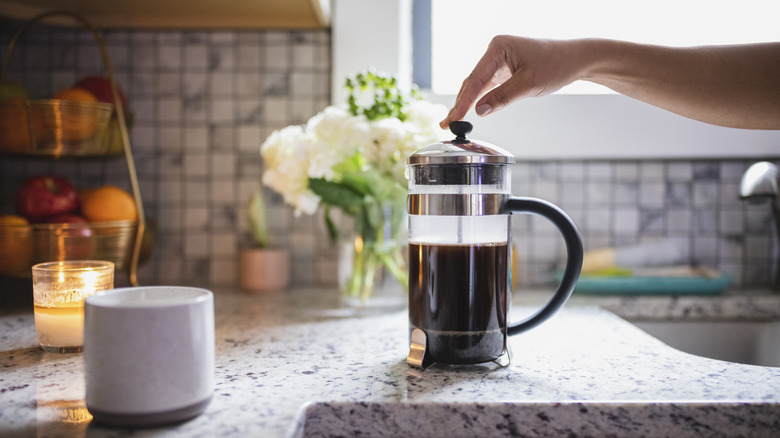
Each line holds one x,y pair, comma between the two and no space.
445,122
484,109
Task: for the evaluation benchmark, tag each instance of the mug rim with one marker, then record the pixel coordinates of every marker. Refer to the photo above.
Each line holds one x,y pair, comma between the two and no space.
112,298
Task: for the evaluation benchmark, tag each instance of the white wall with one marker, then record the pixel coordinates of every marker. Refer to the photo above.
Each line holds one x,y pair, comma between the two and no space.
370,34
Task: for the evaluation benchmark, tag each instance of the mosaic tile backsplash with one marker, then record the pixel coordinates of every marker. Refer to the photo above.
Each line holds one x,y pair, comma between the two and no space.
203,102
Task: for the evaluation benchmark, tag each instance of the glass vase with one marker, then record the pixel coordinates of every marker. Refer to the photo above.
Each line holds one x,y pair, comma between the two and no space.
372,267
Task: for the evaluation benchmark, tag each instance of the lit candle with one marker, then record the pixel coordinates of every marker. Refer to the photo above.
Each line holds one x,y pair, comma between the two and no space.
59,290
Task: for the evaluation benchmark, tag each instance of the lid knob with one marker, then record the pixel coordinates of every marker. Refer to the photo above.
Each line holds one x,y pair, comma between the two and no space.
460,129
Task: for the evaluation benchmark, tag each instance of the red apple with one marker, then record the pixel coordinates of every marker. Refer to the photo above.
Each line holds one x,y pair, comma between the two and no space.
66,218
42,197
100,86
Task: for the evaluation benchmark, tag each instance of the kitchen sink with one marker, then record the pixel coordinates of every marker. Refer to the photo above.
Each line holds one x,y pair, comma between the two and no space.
753,343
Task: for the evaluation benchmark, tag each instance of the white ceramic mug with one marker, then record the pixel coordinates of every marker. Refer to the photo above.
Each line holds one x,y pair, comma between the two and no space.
149,354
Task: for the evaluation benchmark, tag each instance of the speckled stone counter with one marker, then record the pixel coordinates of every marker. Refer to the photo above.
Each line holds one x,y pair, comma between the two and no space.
298,364
732,305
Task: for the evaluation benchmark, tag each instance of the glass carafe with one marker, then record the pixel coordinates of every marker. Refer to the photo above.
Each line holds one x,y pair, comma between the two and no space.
460,251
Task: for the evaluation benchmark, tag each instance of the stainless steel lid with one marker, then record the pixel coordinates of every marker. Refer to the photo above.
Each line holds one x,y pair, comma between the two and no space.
461,150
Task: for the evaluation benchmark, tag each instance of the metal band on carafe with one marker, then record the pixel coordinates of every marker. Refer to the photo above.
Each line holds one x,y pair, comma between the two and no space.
447,204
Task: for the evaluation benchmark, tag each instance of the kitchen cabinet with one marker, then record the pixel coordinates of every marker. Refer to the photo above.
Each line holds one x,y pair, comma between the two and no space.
211,14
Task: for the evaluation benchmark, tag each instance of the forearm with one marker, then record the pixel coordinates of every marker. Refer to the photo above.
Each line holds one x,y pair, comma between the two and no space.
736,86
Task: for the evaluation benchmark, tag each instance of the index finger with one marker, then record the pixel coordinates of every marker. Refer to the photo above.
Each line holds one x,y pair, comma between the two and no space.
476,84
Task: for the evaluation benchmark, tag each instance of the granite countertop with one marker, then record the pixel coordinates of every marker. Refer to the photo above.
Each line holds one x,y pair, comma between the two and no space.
731,305
298,364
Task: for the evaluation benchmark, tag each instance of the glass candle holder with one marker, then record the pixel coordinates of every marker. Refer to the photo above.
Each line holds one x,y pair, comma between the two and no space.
59,290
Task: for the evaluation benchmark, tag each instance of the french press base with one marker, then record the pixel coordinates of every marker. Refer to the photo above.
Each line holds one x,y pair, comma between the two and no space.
419,358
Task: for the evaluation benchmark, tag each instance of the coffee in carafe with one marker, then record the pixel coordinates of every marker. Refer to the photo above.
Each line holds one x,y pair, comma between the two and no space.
460,297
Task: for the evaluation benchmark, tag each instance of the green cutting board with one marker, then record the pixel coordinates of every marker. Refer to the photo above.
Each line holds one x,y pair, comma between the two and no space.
596,285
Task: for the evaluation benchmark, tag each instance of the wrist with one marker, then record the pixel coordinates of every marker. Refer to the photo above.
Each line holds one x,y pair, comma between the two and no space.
594,59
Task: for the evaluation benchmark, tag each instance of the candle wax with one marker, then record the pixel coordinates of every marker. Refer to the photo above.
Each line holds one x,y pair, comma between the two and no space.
60,326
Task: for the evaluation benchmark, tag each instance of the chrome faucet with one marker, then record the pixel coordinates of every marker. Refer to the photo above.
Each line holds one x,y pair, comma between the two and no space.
759,184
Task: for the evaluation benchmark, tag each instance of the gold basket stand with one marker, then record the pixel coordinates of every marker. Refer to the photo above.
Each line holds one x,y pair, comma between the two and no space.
125,137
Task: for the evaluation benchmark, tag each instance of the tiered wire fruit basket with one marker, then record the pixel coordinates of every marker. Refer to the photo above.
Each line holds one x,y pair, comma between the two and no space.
56,129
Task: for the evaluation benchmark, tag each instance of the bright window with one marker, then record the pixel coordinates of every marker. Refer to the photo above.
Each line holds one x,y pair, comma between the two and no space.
462,29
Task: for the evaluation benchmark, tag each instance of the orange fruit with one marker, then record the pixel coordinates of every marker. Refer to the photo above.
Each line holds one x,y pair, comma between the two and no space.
16,249
109,203
76,94
12,219
71,121
14,126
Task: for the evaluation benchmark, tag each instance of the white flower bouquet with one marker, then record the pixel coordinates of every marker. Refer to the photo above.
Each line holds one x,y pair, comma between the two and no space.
353,158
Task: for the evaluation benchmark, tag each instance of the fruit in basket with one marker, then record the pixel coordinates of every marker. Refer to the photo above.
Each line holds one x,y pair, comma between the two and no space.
42,197
66,218
12,219
12,90
69,238
73,121
100,86
109,203
16,249
75,94
14,126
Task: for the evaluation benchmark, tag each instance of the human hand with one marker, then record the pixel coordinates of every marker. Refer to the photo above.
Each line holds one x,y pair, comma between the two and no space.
732,85
513,68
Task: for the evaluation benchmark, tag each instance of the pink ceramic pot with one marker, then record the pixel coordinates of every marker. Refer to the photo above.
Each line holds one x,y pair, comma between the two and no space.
264,270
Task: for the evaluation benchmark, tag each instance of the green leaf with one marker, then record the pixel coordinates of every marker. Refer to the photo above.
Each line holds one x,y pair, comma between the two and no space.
374,184
373,220
336,194
257,220
397,217
355,163
333,231
359,182
389,99
365,223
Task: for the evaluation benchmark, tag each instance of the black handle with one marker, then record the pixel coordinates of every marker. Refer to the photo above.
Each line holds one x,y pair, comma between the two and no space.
574,250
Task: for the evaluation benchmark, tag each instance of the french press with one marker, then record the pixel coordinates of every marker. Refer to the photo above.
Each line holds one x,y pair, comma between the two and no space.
460,205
